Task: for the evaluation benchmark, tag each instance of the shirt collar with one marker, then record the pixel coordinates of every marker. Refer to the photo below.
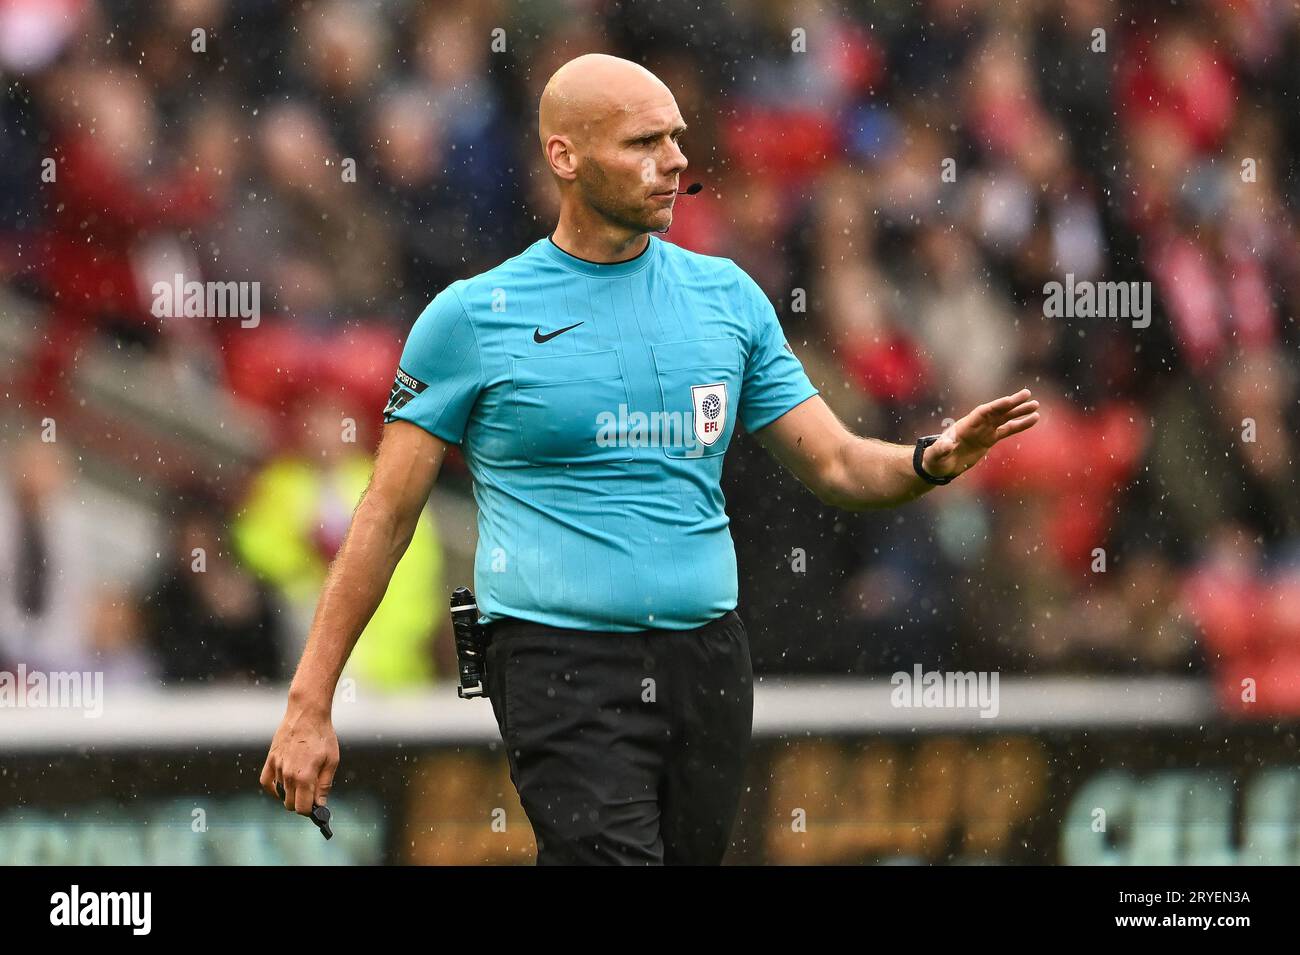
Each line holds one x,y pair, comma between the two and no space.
600,269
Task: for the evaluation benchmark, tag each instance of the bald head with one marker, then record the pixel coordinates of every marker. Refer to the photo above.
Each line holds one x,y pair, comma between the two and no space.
585,94
610,131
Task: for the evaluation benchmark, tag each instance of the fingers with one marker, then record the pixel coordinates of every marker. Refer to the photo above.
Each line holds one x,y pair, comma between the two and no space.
985,424
299,770
268,777
1001,406
299,793
1021,410
304,796
302,790
325,782
280,785
945,445
1016,425
1000,412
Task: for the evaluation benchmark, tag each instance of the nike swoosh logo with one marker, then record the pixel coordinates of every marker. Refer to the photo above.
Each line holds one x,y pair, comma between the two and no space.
542,339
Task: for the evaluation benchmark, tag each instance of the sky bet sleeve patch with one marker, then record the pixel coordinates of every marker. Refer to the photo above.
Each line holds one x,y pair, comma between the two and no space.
405,387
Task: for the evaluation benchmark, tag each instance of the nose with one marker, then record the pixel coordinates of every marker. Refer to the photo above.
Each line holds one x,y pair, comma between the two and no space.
677,162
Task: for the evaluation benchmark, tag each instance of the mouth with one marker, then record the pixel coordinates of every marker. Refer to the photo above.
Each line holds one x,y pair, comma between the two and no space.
670,194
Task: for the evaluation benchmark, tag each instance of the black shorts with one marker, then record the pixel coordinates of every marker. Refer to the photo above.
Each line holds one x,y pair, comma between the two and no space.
626,748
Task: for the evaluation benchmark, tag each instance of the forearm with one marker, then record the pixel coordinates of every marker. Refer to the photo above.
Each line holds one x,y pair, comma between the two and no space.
353,589
859,474
869,474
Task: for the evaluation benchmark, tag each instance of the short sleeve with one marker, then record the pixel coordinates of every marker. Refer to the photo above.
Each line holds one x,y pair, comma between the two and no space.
774,379
441,372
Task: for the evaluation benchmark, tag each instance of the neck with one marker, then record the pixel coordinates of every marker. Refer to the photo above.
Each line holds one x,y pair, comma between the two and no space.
583,233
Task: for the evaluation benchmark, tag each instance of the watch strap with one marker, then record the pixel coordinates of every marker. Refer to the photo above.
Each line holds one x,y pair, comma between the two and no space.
921,445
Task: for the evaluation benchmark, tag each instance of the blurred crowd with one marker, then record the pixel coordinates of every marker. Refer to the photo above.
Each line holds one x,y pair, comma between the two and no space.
902,178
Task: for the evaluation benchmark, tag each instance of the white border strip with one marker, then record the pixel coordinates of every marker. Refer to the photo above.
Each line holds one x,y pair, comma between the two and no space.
237,718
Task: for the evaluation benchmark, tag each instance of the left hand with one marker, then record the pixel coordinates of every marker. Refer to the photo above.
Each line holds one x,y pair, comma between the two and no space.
964,442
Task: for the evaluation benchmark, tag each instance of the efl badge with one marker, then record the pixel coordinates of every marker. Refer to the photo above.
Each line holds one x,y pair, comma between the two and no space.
710,404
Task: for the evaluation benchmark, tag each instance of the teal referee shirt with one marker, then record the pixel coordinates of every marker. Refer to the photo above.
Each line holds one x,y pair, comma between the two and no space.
594,403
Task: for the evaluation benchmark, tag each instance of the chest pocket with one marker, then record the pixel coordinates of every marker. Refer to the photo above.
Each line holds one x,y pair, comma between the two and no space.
700,381
562,401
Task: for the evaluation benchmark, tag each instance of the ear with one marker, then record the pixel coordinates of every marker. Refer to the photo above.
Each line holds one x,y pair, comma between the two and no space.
561,157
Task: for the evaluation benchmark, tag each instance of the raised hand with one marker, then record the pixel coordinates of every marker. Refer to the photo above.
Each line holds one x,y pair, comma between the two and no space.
967,440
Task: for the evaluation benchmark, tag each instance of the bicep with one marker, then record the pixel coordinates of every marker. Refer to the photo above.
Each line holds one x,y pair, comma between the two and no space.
807,440
406,465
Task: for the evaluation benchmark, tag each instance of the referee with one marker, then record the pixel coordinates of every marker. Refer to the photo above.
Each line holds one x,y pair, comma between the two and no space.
594,382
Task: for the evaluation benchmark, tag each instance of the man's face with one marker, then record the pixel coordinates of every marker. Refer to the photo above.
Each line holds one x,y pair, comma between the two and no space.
630,164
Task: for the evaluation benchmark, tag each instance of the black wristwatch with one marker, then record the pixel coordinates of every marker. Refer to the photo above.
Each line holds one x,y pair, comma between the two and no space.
921,445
